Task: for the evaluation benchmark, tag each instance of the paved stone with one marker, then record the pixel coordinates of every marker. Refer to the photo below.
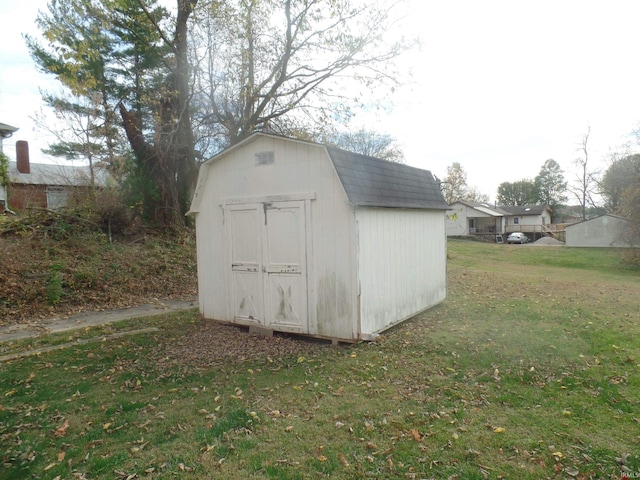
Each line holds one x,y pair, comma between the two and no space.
89,319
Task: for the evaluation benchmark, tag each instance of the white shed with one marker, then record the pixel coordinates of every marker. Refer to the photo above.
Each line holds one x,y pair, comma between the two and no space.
298,237
603,231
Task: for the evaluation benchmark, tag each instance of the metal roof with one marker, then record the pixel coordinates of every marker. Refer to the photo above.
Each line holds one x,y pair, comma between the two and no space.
56,175
372,182
7,130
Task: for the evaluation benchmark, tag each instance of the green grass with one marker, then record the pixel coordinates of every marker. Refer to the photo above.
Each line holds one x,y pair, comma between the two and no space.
529,370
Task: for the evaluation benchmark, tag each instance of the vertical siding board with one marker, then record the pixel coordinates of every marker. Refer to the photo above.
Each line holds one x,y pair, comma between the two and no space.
400,265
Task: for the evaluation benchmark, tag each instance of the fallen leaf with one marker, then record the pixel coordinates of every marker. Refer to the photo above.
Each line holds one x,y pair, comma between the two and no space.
498,429
289,429
416,434
343,460
105,426
339,392
61,455
322,458
61,431
50,466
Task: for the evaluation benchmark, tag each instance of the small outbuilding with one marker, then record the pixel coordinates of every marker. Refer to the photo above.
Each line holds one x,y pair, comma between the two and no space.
603,231
299,237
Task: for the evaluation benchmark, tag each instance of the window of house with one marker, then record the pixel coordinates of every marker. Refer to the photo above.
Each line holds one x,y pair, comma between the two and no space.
516,220
56,197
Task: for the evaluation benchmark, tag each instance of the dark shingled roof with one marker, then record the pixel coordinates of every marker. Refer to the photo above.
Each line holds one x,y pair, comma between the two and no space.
373,182
525,209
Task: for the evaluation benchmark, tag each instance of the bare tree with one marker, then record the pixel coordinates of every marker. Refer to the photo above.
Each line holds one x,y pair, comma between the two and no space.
288,66
586,181
368,143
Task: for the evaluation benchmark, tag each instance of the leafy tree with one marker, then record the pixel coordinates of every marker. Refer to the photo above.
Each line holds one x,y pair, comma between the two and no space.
212,74
455,186
617,179
79,131
368,143
522,192
550,185
111,52
4,170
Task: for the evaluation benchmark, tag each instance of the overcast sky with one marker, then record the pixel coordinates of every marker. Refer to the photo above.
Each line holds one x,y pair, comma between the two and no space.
499,86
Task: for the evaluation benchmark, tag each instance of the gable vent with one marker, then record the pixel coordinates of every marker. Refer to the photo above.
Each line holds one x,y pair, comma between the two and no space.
265,158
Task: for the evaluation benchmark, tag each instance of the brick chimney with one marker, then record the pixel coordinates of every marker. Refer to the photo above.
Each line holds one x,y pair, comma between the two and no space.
22,156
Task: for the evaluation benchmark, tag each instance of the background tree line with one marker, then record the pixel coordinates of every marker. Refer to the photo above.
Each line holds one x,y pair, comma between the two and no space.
148,93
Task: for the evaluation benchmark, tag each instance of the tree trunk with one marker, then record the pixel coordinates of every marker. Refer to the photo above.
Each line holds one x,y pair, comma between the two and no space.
170,161
187,170
159,163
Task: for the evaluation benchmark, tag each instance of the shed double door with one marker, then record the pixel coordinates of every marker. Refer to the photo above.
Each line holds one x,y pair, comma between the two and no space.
267,244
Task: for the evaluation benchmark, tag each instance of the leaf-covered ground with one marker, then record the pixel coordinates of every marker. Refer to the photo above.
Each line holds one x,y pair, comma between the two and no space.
530,369
42,277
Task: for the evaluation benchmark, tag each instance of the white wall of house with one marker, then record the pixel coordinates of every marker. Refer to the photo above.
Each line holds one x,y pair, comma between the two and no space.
525,220
457,221
465,220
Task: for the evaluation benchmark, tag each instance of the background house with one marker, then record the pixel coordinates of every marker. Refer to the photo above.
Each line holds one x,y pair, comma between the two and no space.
603,231
48,186
493,222
468,218
530,219
299,237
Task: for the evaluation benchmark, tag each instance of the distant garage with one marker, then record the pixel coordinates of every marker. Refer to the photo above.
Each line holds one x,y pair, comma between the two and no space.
603,231
299,237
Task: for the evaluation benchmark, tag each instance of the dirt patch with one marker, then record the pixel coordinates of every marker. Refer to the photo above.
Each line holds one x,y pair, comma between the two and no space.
550,241
211,343
42,278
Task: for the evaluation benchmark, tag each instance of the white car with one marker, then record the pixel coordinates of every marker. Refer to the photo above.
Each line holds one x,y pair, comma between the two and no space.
517,237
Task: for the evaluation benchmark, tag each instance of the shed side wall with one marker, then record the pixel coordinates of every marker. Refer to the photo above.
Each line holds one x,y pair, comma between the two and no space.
401,264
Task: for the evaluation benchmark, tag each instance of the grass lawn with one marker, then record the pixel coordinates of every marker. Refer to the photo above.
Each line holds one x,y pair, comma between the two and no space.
529,370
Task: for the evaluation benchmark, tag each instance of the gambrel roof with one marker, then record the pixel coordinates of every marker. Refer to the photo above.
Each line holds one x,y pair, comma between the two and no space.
367,181
372,182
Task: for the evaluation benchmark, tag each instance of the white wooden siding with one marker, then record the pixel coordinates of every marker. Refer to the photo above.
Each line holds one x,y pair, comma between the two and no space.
299,172
401,264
